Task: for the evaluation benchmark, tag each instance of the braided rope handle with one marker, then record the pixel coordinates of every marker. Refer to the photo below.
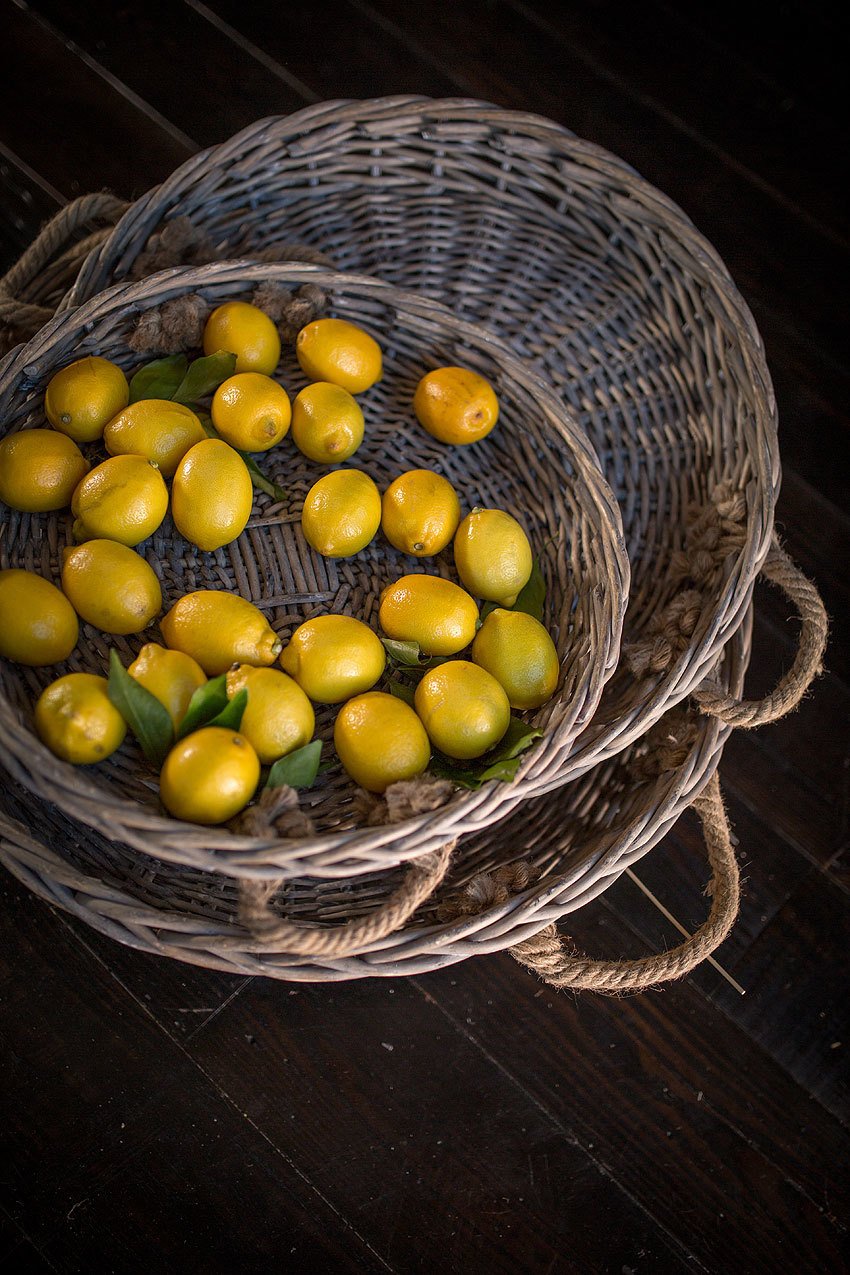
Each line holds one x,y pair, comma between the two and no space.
55,243
780,571
420,881
548,955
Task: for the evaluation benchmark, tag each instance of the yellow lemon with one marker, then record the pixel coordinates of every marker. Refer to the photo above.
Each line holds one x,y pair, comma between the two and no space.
278,716
156,428
124,498
456,405
246,331
380,740
209,776
327,422
334,657
492,555
38,625
110,586
251,411
39,470
463,708
420,512
518,650
218,630
82,397
340,352
77,720
341,513
436,613
171,676
211,495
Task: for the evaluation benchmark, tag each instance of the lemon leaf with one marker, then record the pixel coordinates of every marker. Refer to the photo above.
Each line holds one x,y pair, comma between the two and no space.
409,655
207,702
500,762
230,716
532,596
158,379
401,691
147,718
298,769
203,376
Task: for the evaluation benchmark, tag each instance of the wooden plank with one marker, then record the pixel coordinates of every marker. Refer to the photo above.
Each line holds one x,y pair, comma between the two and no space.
109,138
401,1121
156,51
26,202
120,1153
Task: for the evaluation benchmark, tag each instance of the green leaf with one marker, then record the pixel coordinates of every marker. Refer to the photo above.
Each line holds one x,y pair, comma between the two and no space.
401,690
158,379
148,719
230,716
532,596
501,762
298,769
408,655
207,702
204,376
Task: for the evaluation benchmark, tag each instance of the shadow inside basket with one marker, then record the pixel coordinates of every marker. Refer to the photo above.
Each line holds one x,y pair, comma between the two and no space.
536,465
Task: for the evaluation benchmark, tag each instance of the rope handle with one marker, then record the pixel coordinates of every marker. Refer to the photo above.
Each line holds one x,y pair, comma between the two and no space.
55,243
420,881
778,570
548,955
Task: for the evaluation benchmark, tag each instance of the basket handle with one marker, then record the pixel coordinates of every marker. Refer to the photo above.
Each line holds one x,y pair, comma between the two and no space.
548,955
779,570
420,881
55,242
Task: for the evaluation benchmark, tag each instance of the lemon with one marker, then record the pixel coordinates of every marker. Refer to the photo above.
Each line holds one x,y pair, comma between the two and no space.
211,495
456,405
518,650
38,625
251,411
463,708
209,776
420,512
77,720
82,397
110,586
156,428
341,513
340,352
334,657
246,331
492,555
278,716
380,740
124,498
327,422
218,630
39,470
436,613
171,676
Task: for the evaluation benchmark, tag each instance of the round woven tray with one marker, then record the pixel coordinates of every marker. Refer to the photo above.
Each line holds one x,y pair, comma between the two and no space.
587,271
504,884
536,464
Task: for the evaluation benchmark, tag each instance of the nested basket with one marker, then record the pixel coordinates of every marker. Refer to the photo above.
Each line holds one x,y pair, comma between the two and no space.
590,274
503,887
536,464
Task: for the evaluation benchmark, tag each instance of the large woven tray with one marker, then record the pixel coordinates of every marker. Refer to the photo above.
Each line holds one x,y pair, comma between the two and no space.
587,271
536,464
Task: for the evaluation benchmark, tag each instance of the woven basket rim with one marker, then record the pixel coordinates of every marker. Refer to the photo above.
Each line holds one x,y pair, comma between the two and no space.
25,361
416,948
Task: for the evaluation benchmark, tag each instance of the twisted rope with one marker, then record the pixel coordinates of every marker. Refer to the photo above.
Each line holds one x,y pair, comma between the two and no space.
780,571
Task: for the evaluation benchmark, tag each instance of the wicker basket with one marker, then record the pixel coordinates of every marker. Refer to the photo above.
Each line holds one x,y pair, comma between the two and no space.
587,271
565,847
536,464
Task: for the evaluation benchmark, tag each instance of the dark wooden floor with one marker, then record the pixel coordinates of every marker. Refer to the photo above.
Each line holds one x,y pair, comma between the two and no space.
159,1118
